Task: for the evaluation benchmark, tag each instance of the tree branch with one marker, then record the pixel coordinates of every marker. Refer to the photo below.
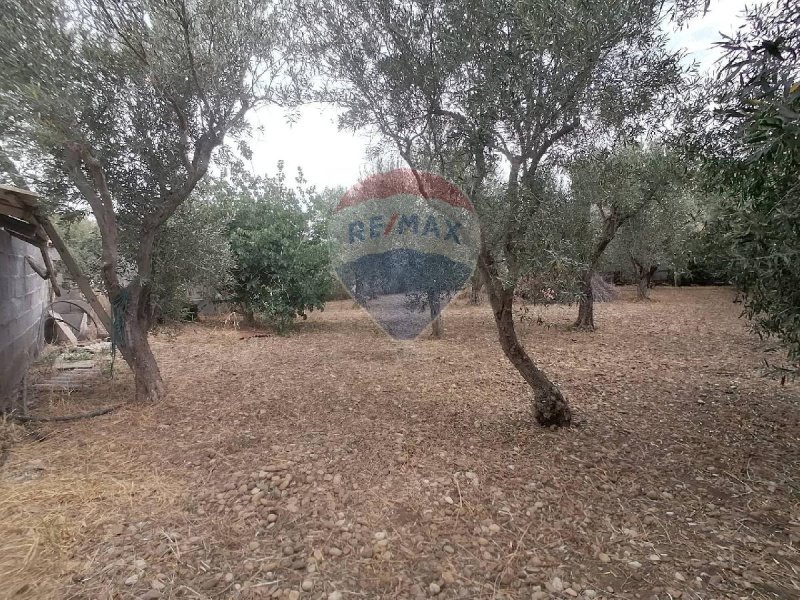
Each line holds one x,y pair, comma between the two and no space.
75,270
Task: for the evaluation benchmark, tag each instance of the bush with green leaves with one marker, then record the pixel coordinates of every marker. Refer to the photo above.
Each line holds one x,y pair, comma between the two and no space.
281,264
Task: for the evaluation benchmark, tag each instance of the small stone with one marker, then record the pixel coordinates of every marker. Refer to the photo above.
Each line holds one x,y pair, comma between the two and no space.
538,595
367,552
680,576
604,558
335,596
555,585
294,595
337,480
228,577
590,593
634,564
570,592
448,548
381,535
132,580
448,578
654,557
434,588
307,585
150,595
494,527
288,550
272,517
157,585
140,563
334,551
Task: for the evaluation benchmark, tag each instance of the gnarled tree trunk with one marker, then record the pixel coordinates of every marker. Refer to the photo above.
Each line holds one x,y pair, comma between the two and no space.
586,304
645,278
135,345
549,405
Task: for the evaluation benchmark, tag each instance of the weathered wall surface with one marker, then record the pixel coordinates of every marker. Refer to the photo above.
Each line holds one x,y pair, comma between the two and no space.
23,301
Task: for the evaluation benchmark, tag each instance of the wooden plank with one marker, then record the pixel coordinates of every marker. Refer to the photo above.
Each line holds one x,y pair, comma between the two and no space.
63,330
18,212
50,269
75,270
66,365
57,387
25,197
19,236
26,228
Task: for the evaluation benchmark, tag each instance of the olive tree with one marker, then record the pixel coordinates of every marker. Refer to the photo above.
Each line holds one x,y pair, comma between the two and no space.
132,100
659,237
621,192
749,143
484,92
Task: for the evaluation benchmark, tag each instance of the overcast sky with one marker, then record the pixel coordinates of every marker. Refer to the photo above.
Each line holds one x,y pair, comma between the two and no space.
330,157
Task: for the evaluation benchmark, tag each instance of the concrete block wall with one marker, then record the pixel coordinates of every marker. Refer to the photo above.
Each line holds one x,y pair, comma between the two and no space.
24,297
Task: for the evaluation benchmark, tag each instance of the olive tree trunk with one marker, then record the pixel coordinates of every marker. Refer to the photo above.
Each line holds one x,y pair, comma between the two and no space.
135,345
585,319
645,278
550,408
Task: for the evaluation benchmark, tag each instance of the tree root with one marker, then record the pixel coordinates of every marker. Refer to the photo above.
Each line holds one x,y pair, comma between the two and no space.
88,415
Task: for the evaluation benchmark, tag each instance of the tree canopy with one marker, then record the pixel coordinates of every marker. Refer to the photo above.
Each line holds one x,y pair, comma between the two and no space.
125,103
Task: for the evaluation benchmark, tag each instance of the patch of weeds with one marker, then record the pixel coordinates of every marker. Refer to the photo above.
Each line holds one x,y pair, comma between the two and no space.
76,355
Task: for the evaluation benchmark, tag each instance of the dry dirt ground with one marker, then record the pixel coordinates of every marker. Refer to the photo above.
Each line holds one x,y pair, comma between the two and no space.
337,464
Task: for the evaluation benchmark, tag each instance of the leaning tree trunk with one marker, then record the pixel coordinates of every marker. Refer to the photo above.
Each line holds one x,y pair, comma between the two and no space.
135,346
549,405
586,304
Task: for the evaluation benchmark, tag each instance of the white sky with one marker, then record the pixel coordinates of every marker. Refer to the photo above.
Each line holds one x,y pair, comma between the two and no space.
330,157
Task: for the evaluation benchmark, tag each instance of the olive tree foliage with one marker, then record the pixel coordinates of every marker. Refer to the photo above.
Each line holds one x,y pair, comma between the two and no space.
83,237
192,256
620,192
747,135
131,101
484,92
660,237
762,81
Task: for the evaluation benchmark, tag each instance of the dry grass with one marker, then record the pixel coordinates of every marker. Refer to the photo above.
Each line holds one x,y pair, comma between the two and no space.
59,487
682,450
